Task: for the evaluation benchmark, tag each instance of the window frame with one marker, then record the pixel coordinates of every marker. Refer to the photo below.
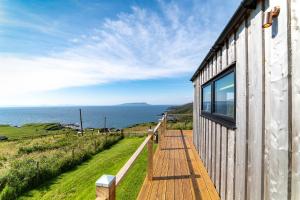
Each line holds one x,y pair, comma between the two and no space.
229,122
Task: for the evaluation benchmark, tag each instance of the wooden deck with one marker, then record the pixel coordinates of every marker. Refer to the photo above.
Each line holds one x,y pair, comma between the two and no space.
178,172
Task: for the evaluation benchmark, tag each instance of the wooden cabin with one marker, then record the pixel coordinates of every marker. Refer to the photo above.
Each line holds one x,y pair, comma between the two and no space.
247,103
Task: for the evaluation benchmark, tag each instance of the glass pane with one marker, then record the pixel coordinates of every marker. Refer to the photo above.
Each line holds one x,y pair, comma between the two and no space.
206,92
224,95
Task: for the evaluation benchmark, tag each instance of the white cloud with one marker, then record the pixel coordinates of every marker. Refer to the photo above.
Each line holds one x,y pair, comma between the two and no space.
139,45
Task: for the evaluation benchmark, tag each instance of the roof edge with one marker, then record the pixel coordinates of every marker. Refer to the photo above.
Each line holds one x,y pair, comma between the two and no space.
238,14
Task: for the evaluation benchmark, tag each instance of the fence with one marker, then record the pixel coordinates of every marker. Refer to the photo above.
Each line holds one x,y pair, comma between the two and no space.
106,184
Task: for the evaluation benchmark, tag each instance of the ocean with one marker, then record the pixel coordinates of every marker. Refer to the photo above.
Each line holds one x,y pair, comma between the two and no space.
93,116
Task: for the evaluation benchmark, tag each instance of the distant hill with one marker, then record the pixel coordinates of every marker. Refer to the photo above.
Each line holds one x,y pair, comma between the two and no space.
181,117
182,109
135,104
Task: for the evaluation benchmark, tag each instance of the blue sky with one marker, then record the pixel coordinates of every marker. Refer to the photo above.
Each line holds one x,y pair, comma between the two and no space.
104,52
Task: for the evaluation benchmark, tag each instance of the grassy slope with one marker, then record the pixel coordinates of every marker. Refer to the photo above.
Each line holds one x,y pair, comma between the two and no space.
183,118
182,109
80,183
29,130
139,129
130,186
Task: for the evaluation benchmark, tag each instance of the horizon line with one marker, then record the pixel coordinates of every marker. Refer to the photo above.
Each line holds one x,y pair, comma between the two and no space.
78,105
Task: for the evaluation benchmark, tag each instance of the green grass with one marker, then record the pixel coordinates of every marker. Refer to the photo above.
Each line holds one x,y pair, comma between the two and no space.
138,129
182,117
28,163
130,186
178,125
80,182
30,130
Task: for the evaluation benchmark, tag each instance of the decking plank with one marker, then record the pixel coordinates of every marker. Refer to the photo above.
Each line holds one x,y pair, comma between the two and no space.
178,171
187,186
171,183
161,194
157,172
207,188
145,191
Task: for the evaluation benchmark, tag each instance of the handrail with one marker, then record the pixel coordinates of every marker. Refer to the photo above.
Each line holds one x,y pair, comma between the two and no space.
161,122
128,164
156,127
106,184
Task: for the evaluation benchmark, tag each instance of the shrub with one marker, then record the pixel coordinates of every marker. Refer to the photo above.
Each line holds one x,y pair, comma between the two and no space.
8,193
43,147
2,183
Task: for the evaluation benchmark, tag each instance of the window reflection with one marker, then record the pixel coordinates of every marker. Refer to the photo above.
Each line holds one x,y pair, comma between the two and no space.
224,96
206,106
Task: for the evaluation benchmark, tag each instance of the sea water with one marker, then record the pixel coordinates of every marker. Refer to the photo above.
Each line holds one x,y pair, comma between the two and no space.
93,116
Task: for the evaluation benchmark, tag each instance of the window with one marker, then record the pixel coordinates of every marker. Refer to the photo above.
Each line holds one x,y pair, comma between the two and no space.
218,98
206,92
224,95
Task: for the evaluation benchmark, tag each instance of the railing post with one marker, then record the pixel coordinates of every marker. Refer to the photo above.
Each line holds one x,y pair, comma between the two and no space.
160,131
106,188
166,122
156,134
163,126
150,155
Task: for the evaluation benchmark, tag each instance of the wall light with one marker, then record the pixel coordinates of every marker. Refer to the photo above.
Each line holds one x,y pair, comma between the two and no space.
270,15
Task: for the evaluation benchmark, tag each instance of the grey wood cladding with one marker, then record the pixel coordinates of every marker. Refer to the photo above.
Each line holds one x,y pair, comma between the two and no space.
260,158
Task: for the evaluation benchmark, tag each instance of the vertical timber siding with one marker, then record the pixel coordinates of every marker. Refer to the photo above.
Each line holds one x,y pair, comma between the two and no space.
276,153
295,82
218,136
260,159
241,114
255,104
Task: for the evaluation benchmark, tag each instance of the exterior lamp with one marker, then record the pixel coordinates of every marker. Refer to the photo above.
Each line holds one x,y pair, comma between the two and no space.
270,15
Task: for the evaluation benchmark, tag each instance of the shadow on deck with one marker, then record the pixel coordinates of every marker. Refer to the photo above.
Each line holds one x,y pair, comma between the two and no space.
178,172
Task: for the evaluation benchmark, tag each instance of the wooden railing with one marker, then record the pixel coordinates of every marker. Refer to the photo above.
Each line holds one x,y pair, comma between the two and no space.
106,184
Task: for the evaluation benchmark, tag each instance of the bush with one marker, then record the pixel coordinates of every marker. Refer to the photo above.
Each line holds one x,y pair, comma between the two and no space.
43,147
8,193
2,183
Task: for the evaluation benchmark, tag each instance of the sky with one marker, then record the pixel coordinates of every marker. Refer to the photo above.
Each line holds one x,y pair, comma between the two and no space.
105,52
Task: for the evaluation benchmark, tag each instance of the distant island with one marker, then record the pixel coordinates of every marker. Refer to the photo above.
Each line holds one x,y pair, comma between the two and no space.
135,104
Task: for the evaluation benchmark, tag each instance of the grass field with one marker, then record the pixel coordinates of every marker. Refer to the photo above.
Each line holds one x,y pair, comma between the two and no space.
139,129
30,159
80,182
182,117
47,161
179,125
31,130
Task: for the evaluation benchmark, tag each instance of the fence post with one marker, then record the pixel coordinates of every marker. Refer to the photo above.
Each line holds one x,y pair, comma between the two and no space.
166,122
150,155
161,133
106,188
